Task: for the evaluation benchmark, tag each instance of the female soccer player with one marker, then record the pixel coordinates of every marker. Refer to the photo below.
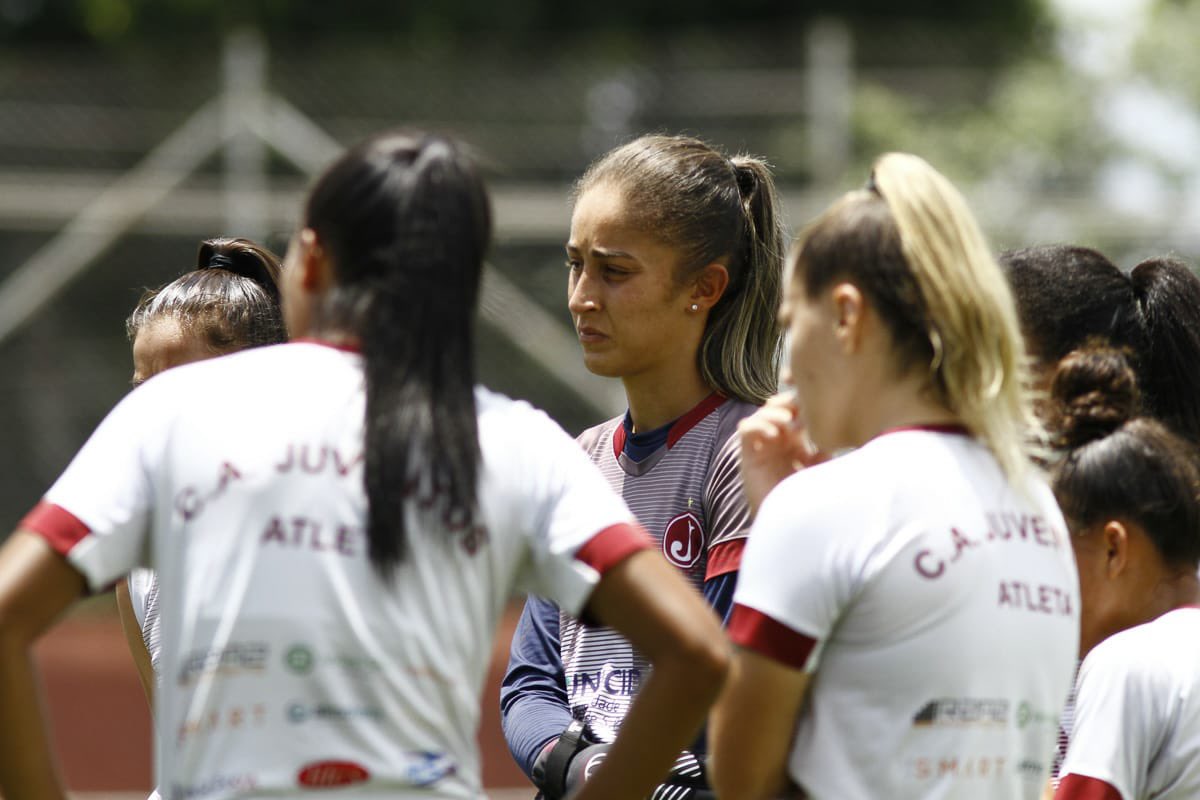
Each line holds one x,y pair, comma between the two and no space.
1129,490
229,302
336,549
908,611
675,260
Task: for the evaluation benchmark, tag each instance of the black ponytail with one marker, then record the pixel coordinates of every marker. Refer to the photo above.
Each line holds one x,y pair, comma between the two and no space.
242,257
406,223
1167,295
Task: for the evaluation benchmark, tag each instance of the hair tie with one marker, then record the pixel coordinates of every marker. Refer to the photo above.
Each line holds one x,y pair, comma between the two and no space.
871,186
220,261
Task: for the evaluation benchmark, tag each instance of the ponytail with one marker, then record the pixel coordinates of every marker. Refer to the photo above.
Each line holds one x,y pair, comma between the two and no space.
1167,297
242,257
911,245
405,222
739,353
979,363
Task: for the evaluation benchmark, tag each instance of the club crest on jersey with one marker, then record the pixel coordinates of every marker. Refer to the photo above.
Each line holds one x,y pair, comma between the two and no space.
683,540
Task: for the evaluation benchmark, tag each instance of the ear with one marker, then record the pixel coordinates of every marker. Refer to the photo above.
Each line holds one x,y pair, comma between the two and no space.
709,285
849,315
1115,540
316,270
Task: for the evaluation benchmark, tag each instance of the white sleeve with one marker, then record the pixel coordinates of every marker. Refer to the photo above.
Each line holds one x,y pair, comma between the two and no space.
581,526
1120,719
97,513
799,569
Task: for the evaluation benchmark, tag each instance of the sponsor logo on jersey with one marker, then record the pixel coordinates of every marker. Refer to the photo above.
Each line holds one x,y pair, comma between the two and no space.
1028,715
683,540
301,659
958,767
429,768
209,786
238,717
298,713
593,763
620,682
963,712
331,773
235,657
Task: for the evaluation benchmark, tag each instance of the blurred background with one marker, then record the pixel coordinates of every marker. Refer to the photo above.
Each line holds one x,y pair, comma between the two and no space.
132,129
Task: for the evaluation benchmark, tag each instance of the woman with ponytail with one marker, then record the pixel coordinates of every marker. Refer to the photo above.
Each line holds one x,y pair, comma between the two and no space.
674,272
334,561
1068,295
900,603
230,302
1130,491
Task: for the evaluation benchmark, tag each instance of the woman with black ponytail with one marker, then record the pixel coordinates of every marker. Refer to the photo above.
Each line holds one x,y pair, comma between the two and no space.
1130,491
334,562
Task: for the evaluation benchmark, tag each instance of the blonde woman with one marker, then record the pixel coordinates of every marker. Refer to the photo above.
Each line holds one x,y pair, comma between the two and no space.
908,612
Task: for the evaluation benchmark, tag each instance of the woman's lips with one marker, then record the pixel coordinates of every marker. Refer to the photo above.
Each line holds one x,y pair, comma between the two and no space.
590,335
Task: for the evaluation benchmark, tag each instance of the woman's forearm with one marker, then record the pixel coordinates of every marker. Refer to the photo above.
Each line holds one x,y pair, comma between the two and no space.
27,767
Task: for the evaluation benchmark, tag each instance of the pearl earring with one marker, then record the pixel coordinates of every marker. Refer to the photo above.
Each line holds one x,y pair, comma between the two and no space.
695,307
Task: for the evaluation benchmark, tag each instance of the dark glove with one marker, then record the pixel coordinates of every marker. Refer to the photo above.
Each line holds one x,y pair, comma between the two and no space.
551,768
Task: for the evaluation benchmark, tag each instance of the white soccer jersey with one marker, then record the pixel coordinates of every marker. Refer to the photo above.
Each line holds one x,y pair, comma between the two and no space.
938,607
1136,733
288,663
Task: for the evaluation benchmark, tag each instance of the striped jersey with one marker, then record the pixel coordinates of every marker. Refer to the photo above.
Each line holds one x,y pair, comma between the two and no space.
688,495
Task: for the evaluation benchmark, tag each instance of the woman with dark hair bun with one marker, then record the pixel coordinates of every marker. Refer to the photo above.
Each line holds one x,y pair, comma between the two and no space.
1068,295
1130,491
229,302
334,562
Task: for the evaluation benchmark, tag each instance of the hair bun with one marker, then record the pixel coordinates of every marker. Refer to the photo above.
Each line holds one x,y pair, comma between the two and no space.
1095,392
242,257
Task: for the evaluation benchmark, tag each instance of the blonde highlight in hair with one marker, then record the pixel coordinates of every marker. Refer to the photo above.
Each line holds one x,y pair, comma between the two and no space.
917,252
712,208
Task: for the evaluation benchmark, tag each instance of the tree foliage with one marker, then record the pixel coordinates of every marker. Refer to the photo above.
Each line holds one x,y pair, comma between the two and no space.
118,21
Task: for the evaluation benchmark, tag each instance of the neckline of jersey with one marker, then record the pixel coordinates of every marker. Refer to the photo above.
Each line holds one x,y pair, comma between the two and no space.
955,428
345,347
679,427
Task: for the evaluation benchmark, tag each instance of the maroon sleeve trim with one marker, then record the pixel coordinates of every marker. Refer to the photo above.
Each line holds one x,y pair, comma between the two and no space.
613,545
1084,787
724,557
59,527
758,632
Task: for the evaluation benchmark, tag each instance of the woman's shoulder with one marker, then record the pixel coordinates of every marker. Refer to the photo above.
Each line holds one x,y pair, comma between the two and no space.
1165,650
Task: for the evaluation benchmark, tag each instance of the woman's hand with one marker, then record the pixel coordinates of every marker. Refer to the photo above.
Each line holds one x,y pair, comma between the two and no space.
774,446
